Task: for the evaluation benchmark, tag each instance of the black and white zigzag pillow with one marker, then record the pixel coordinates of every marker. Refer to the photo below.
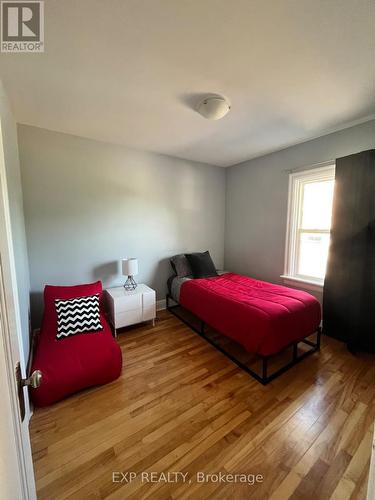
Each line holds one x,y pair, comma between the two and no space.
80,315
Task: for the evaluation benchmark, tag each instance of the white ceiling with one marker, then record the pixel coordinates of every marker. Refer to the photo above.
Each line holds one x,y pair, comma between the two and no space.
131,72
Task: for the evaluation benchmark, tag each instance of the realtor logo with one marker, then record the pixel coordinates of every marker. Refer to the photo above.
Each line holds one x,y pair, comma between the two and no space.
22,26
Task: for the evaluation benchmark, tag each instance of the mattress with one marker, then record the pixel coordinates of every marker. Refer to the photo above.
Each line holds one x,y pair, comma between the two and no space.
175,283
263,317
174,286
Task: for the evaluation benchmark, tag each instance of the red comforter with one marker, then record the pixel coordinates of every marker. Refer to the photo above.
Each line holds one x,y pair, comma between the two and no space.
263,317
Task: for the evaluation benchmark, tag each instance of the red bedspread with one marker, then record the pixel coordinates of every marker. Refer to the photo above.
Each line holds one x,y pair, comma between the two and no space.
263,317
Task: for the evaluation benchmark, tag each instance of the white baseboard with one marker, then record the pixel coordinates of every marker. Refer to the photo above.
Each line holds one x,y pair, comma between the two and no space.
161,305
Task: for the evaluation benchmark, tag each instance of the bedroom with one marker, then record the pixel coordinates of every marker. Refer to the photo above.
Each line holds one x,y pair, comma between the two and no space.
113,170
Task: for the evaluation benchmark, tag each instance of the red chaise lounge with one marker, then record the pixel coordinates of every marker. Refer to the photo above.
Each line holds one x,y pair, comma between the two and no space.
76,362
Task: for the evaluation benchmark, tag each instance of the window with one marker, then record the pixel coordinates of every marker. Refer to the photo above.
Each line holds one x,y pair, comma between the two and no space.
309,224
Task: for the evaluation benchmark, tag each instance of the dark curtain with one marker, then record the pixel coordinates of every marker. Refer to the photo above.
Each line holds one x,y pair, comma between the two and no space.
349,287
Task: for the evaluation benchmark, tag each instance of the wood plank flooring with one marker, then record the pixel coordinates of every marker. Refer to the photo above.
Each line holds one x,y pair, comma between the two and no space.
180,406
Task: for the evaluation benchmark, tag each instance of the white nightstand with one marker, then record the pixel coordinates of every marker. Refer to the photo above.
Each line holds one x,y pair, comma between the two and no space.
131,307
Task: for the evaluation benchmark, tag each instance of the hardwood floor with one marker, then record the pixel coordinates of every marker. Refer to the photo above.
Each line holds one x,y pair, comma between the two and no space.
180,406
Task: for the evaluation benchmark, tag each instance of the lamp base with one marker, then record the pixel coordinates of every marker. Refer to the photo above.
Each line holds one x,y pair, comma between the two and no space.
130,284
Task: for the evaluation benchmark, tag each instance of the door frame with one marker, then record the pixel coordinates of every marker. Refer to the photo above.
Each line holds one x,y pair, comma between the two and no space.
20,477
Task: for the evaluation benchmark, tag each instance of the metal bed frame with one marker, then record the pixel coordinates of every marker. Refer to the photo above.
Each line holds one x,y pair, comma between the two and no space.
264,378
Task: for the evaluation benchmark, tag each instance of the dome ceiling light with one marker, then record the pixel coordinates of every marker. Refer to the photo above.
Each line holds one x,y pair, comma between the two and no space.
213,107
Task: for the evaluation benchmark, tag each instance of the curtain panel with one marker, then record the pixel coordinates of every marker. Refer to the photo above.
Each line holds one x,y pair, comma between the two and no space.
349,287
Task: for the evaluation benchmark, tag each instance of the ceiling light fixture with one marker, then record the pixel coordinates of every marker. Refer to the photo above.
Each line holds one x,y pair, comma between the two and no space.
213,107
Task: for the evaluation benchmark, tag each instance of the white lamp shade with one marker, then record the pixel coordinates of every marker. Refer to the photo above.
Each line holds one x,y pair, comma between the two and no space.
130,267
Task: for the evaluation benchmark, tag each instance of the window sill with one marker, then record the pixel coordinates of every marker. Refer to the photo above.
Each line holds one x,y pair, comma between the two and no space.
302,283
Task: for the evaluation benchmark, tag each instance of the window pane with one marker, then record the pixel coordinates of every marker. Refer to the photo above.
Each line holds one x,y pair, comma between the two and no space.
317,205
313,254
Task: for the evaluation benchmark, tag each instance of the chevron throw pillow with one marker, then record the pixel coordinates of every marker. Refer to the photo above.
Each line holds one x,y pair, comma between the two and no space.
79,315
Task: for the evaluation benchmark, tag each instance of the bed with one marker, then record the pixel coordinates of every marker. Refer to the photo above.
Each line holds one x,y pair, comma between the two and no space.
262,317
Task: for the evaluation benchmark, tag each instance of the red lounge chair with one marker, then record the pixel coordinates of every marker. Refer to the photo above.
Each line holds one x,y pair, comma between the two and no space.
74,363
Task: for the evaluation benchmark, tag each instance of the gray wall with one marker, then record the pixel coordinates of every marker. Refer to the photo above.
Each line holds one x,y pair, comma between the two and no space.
89,204
257,199
14,188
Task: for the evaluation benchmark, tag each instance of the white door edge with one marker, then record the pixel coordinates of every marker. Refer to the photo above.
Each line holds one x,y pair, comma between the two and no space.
16,441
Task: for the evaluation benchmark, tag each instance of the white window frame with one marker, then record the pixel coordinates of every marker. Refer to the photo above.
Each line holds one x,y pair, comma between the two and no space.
296,182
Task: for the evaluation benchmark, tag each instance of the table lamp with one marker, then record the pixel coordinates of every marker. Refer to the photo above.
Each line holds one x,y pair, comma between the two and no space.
130,269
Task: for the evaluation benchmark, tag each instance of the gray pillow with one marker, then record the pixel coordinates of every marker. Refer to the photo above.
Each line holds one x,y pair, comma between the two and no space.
181,266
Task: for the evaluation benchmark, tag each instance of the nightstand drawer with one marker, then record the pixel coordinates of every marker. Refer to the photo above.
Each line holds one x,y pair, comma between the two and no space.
128,318
128,303
129,307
